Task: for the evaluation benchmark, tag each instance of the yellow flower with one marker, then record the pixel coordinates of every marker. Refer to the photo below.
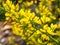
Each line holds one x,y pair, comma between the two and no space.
21,12
16,15
58,25
12,7
50,44
44,8
32,28
43,19
30,25
22,16
29,3
25,20
53,17
39,41
7,14
28,32
43,30
45,26
48,19
17,7
13,18
37,11
12,11
53,26
45,37
33,40
50,31
15,32
7,18
37,20
58,33
8,2
5,6
58,9
38,32
30,42
31,16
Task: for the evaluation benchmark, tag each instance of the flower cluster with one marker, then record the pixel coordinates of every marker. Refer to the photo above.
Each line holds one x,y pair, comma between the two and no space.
35,23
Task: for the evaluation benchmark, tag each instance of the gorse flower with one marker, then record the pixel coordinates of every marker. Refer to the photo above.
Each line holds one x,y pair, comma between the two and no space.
38,27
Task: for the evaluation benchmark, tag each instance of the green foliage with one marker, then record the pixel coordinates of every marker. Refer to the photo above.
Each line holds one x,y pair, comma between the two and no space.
2,13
